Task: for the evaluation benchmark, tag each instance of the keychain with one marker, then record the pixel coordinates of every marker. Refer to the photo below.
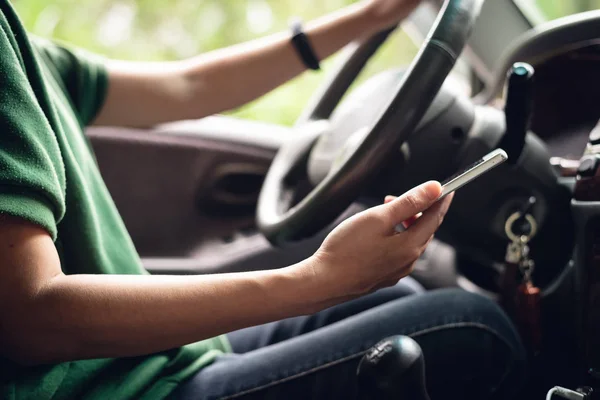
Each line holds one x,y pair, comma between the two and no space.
522,300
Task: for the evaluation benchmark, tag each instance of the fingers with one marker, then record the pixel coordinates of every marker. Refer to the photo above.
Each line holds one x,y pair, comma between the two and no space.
411,203
408,222
425,227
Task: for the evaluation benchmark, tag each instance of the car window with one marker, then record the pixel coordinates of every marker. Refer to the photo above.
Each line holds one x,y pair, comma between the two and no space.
175,29
552,9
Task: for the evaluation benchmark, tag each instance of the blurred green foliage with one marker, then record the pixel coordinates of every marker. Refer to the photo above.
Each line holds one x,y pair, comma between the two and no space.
175,29
553,9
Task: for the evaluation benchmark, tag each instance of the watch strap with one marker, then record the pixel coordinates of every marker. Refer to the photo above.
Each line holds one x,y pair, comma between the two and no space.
302,45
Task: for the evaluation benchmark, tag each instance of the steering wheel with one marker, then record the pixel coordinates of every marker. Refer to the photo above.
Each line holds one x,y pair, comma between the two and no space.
373,146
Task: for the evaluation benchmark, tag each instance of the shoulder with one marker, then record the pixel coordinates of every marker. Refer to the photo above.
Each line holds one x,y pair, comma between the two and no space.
52,53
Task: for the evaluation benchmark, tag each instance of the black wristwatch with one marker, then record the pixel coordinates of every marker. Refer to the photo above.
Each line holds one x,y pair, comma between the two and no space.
302,45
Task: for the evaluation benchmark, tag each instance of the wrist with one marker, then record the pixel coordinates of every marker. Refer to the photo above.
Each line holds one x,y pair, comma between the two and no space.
313,288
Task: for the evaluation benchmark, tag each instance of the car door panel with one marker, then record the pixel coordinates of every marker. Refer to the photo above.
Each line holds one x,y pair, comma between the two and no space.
181,187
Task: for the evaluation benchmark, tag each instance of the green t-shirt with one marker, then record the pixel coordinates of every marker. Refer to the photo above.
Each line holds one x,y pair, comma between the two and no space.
48,175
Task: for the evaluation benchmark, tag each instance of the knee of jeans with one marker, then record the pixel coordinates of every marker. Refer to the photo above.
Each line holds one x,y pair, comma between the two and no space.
473,307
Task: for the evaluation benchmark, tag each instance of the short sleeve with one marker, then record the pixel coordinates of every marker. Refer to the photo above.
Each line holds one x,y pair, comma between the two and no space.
83,75
32,178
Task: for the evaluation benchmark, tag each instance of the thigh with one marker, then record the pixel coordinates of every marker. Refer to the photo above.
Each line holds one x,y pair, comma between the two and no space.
471,352
245,340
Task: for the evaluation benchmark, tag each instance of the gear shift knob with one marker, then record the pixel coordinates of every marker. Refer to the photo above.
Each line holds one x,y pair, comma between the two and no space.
393,369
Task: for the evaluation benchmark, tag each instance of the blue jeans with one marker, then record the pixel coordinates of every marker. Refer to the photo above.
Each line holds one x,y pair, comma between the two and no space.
471,349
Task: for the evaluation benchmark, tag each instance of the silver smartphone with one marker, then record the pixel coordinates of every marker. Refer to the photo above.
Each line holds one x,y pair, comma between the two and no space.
473,171
461,178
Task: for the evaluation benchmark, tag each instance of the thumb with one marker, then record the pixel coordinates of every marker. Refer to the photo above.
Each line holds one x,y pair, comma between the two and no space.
412,202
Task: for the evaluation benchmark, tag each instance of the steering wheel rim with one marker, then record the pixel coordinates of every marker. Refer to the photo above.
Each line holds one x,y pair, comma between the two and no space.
281,223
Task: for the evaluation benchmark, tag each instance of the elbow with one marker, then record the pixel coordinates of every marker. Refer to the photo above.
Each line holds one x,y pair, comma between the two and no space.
30,337
22,357
29,348
192,95
19,350
199,91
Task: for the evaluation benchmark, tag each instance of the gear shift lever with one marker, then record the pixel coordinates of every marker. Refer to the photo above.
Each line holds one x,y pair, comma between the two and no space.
393,369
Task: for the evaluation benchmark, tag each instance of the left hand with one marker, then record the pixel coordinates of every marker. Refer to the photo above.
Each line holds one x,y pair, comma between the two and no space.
386,13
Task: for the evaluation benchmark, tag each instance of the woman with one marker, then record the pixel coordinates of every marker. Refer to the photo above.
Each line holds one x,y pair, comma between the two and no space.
80,318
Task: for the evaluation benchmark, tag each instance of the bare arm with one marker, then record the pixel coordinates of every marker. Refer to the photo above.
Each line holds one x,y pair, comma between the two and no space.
127,315
46,316
144,94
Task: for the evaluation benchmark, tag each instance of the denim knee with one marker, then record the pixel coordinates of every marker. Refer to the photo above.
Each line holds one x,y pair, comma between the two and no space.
474,348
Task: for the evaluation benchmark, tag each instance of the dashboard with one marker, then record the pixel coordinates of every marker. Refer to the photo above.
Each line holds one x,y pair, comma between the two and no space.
566,90
566,100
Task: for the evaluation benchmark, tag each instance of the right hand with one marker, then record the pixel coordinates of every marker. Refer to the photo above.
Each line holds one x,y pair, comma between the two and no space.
365,253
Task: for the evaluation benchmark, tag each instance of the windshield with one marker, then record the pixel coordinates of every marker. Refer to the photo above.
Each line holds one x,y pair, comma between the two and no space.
170,30
552,9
